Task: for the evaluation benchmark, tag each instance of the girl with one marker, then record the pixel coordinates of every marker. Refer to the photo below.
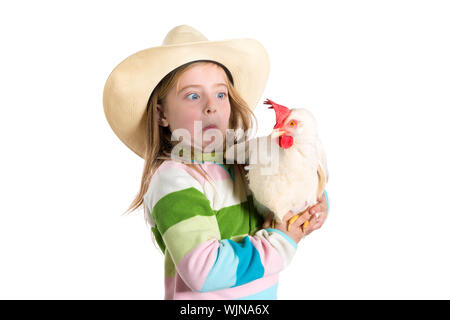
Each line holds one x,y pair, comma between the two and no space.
201,212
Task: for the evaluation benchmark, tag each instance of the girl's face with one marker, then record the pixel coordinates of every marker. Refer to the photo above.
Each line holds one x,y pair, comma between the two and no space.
201,94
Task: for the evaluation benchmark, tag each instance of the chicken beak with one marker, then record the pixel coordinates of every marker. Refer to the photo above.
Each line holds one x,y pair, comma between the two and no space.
277,133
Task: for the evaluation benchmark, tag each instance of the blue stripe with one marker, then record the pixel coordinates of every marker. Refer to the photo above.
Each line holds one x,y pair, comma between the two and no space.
250,267
284,235
223,272
326,198
268,294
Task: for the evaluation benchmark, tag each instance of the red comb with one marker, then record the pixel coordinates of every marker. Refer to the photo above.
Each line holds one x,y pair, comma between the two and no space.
281,113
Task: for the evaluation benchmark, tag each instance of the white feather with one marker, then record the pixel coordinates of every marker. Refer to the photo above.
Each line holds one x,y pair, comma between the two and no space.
293,181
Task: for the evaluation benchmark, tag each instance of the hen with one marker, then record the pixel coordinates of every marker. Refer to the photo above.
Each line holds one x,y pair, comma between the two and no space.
287,170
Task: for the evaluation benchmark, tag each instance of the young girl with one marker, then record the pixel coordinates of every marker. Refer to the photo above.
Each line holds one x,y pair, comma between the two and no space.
201,212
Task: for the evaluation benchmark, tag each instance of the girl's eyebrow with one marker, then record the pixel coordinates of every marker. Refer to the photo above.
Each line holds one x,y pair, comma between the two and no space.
200,86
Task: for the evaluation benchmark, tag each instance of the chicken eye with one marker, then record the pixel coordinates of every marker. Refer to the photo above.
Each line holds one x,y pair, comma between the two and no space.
292,123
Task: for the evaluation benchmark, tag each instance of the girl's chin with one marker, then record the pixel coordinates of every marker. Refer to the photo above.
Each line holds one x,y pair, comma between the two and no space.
209,144
210,147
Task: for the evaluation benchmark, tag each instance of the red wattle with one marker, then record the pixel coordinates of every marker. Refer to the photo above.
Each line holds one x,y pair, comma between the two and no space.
285,141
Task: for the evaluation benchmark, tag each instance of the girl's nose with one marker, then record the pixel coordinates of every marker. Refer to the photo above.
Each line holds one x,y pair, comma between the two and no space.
210,107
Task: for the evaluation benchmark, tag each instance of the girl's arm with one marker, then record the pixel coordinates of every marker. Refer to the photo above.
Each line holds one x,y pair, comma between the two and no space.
189,229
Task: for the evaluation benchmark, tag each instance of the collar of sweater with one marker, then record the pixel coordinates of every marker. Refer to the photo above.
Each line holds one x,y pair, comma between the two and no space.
198,156
214,157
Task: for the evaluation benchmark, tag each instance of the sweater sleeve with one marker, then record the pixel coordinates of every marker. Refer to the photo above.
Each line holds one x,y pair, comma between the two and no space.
188,225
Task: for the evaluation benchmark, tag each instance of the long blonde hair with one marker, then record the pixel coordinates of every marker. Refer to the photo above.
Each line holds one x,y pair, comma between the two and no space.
158,139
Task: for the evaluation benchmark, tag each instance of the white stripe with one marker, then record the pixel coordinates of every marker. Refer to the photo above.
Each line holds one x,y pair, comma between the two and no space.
229,192
167,181
283,247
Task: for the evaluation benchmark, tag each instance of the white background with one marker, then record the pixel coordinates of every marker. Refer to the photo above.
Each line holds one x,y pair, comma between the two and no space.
376,74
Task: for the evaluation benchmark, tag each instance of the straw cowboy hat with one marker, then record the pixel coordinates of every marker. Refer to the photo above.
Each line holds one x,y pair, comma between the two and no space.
130,84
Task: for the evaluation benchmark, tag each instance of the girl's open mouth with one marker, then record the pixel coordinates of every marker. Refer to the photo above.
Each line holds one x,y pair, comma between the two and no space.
209,127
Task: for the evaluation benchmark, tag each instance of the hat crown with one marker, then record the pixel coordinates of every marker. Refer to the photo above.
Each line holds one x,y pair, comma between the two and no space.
183,34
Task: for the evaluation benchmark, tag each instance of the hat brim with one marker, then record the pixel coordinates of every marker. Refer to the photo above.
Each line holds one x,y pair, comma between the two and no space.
130,84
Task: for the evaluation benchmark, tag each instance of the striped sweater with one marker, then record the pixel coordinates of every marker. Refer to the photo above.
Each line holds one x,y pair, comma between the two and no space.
211,235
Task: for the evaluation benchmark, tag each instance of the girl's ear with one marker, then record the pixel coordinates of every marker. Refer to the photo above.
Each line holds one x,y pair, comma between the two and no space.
162,121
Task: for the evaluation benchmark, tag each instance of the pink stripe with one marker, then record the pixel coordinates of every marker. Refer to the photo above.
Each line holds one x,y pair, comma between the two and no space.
182,292
215,171
169,284
195,266
270,258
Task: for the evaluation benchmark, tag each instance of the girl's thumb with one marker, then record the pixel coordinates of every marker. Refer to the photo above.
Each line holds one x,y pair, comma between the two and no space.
268,222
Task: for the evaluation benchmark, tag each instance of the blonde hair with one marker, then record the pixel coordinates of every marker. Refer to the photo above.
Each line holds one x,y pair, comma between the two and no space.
158,139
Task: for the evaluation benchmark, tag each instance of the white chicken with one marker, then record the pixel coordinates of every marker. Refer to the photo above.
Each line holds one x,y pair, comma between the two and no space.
296,154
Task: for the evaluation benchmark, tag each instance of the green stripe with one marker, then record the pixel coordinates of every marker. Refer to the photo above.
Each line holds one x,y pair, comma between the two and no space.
159,239
190,210
238,219
180,205
169,267
188,234
256,220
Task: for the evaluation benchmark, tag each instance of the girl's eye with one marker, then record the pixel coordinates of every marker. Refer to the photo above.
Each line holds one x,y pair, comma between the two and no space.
221,95
192,94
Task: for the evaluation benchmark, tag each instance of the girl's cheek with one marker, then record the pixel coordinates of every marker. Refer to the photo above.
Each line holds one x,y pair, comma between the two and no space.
226,117
188,121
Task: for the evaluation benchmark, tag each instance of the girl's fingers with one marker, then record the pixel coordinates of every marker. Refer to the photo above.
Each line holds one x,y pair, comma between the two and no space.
319,220
322,198
301,220
321,205
268,222
324,203
308,230
288,216
316,222
312,224
320,211
314,209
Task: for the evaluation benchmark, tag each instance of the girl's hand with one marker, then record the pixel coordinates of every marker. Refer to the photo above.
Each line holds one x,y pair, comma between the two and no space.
318,214
295,229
